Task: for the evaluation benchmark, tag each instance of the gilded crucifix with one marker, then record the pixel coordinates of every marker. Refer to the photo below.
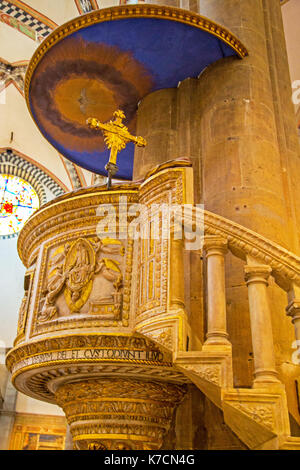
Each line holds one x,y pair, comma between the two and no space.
116,137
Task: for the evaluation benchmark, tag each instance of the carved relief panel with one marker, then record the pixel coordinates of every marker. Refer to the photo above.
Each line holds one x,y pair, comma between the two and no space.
84,279
160,193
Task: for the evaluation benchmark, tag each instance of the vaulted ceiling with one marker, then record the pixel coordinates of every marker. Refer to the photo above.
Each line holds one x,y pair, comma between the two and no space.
23,25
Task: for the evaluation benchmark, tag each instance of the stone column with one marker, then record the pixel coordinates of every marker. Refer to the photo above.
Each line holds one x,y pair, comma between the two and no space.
261,326
216,249
244,172
156,122
284,111
242,167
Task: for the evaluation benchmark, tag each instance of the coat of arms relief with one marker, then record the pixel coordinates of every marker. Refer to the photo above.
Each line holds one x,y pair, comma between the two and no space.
84,277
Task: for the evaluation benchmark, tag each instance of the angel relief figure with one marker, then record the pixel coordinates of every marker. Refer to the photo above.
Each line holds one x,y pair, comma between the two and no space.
79,270
56,281
72,271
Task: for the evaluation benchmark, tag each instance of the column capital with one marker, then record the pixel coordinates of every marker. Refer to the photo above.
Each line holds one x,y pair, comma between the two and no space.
293,310
215,245
257,274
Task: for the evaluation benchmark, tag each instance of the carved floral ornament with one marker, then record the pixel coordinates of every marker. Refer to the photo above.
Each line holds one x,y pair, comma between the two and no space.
39,385
211,373
244,242
121,388
262,414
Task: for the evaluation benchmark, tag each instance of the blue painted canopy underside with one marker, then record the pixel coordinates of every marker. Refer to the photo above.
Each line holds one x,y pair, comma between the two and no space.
168,52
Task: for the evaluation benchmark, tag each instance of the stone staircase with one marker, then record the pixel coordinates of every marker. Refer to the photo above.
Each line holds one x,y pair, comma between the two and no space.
259,416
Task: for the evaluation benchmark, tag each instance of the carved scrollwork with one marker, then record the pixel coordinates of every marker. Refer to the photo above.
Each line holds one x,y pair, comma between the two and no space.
210,373
120,388
262,414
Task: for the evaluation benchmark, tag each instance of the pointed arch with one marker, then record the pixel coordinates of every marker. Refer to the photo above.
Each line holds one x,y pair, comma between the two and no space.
9,155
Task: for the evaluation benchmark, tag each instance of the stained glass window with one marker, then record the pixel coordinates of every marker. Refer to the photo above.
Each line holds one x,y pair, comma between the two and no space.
18,201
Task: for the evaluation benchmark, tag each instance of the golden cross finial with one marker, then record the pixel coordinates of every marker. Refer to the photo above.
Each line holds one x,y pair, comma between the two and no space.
116,137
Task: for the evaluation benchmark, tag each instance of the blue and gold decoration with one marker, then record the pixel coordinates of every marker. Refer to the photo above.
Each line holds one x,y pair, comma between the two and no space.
110,59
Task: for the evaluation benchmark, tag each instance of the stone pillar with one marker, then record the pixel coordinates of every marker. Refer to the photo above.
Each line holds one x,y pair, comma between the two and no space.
237,114
243,166
156,122
284,111
188,130
261,326
242,172
216,249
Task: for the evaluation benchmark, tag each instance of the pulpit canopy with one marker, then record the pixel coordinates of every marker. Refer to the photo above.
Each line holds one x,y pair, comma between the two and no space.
110,59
